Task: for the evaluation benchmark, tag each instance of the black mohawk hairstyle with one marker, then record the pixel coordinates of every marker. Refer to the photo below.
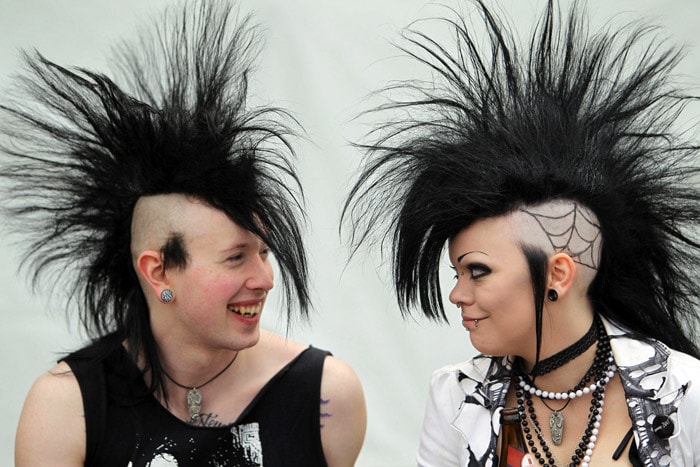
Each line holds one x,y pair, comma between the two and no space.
80,150
569,114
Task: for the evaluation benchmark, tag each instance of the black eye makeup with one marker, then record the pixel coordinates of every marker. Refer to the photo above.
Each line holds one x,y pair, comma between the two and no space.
478,270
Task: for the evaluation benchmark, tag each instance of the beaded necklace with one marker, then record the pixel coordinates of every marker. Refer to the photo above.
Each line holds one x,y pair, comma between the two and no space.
601,371
602,362
583,452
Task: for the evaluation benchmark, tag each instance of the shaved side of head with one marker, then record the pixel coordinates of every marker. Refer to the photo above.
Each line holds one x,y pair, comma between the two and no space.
159,223
562,226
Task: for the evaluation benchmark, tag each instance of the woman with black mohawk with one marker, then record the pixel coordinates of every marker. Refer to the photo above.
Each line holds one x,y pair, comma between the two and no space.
557,175
167,196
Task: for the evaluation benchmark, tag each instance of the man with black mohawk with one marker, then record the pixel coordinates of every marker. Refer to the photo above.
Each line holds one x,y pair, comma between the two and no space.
158,203
559,176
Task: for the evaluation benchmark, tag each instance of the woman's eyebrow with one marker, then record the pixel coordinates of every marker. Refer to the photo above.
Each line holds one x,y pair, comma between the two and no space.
459,258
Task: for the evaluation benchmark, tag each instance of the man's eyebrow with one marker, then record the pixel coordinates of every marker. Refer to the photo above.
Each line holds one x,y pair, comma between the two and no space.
235,246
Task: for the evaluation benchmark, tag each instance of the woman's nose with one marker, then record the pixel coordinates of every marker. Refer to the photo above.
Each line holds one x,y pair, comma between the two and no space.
461,295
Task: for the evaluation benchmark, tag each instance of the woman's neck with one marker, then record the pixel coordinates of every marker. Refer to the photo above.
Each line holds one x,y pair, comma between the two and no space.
566,357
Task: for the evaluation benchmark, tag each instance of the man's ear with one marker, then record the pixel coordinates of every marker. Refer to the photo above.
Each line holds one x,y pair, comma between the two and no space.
149,265
560,273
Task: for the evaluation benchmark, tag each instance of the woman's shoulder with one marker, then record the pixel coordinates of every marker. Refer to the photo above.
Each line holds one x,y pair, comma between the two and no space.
684,367
688,362
478,370
478,366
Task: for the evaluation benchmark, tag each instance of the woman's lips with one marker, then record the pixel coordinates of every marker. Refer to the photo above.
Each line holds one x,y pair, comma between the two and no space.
470,323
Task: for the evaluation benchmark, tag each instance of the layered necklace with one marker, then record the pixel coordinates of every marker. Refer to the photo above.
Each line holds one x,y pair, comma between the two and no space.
194,396
593,383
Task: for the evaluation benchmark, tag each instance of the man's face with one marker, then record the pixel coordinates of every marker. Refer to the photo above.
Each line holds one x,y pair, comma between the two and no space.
221,291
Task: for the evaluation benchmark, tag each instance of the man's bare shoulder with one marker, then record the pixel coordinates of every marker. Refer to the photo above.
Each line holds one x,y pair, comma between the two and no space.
277,348
343,413
51,429
341,385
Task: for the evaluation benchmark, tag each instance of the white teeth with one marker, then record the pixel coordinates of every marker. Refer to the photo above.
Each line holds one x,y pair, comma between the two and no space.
247,311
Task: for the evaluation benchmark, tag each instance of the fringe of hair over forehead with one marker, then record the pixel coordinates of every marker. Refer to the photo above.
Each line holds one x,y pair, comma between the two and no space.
83,147
568,114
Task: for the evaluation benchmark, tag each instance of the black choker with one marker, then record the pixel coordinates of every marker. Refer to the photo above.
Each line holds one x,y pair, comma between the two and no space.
565,356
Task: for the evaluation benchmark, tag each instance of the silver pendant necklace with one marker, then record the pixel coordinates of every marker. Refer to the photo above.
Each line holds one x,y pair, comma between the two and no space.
556,423
194,396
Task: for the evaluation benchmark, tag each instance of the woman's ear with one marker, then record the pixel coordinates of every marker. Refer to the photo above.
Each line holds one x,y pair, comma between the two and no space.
149,265
560,273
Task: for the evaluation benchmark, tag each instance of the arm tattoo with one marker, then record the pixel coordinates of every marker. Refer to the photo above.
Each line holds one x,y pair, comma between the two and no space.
324,414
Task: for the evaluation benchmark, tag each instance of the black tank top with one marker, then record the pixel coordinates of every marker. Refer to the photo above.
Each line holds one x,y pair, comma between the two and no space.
280,427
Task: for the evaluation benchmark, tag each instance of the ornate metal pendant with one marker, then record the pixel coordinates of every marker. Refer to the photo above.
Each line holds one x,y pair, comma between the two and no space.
194,403
556,426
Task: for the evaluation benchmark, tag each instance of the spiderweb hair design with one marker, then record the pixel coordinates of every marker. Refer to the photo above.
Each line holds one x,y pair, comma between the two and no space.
565,233
569,114
83,149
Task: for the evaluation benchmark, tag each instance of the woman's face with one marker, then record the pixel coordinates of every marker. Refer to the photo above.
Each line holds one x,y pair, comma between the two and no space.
494,288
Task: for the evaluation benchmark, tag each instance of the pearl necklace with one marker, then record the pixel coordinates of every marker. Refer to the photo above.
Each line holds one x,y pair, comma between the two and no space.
584,451
603,362
526,389
529,387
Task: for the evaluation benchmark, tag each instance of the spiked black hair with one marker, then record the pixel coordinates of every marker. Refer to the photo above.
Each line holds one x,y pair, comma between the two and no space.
82,150
570,114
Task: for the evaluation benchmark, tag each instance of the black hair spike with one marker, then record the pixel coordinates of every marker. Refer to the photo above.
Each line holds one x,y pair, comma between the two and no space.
568,114
82,149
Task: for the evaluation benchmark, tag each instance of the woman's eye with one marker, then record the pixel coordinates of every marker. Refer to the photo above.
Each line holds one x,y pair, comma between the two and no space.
236,257
478,270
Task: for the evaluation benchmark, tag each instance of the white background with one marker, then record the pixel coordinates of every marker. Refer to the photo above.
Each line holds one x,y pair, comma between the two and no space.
321,60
